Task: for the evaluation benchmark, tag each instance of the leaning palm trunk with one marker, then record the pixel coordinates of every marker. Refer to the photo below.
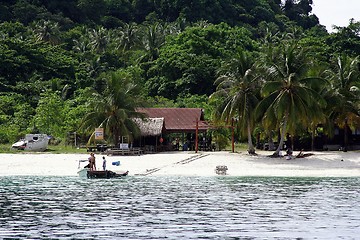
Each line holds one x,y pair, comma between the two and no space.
251,149
271,141
282,137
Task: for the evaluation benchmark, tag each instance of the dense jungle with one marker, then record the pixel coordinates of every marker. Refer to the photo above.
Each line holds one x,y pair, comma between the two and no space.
69,66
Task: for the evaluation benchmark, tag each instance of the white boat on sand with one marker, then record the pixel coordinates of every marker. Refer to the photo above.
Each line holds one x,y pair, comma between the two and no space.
32,142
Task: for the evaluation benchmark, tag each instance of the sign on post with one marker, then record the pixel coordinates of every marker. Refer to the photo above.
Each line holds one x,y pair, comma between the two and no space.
99,133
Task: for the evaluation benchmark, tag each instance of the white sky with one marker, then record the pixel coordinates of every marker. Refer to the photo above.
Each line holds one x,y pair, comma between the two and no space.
336,12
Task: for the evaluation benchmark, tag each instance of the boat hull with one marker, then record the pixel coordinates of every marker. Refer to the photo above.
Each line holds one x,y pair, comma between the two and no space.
87,173
32,142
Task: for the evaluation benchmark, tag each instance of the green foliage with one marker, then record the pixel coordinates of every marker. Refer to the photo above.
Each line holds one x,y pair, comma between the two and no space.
62,60
315,41
159,102
50,115
221,137
75,109
237,87
188,62
346,39
289,100
299,11
25,12
22,62
344,94
115,106
15,117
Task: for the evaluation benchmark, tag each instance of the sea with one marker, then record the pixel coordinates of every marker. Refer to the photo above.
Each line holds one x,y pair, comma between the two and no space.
179,207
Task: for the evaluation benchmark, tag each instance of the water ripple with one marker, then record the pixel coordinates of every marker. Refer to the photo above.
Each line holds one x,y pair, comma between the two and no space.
179,208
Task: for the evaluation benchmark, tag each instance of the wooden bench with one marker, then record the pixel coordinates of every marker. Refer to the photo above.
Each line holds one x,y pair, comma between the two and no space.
131,151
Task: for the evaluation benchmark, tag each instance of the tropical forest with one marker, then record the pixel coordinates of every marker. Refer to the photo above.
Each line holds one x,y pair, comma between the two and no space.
267,66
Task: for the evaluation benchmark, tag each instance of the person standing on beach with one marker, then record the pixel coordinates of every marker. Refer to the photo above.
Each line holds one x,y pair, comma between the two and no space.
104,164
92,162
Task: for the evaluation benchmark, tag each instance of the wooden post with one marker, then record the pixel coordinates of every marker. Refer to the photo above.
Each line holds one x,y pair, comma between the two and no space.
196,136
232,135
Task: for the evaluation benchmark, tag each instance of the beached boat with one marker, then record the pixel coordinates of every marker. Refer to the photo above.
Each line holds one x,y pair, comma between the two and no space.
32,142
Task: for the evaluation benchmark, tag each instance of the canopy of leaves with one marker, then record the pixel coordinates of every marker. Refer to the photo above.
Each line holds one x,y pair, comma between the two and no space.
53,52
188,62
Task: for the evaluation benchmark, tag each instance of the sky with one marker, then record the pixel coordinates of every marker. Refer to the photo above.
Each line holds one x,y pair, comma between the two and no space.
336,12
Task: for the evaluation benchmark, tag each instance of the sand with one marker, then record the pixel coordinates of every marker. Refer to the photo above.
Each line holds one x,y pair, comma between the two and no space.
321,164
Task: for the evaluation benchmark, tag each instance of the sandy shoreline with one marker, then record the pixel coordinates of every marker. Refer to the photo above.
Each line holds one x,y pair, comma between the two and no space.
321,164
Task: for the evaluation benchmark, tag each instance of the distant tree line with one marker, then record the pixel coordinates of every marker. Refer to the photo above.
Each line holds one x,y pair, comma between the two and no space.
267,63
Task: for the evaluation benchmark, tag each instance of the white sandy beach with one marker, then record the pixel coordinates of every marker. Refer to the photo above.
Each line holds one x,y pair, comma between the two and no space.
321,164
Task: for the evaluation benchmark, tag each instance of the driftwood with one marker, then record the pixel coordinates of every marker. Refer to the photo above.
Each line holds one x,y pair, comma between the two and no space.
303,155
300,155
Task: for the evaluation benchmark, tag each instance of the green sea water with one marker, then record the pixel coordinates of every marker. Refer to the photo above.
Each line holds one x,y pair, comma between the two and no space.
179,208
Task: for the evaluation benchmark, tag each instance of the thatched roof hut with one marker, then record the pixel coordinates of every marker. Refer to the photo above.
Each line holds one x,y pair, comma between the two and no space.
150,126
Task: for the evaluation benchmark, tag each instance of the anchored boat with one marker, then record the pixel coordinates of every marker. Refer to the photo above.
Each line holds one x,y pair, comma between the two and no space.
86,172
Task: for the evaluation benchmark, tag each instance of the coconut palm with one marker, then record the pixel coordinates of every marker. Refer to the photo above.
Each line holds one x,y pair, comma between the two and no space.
129,37
318,113
289,99
47,31
115,107
99,39
237,86
344,94
153,39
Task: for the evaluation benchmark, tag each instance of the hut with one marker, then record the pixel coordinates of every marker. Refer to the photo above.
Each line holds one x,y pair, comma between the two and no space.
178,128
151,130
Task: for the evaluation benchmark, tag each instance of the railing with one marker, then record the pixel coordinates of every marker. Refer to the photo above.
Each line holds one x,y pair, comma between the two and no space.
130,151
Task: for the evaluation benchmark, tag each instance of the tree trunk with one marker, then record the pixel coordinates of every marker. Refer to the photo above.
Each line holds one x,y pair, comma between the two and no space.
271,142
116,137
251,149
282,137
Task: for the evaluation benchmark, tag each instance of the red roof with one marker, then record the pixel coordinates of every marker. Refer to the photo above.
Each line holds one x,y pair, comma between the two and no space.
178,119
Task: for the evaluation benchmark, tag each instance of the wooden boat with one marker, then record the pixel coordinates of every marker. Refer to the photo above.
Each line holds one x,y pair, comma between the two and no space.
106,174
87,173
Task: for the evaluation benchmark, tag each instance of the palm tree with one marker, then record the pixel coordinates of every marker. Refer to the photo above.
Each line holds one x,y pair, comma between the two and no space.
47,31
289,99
115,107
99,39
153,39
344,94
318,113
238,87
129,37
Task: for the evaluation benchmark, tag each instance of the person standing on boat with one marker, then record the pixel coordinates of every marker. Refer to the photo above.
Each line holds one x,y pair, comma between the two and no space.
104,164
92,162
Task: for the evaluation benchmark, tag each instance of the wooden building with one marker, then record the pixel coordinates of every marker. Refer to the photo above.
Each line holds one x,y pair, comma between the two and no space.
170,128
